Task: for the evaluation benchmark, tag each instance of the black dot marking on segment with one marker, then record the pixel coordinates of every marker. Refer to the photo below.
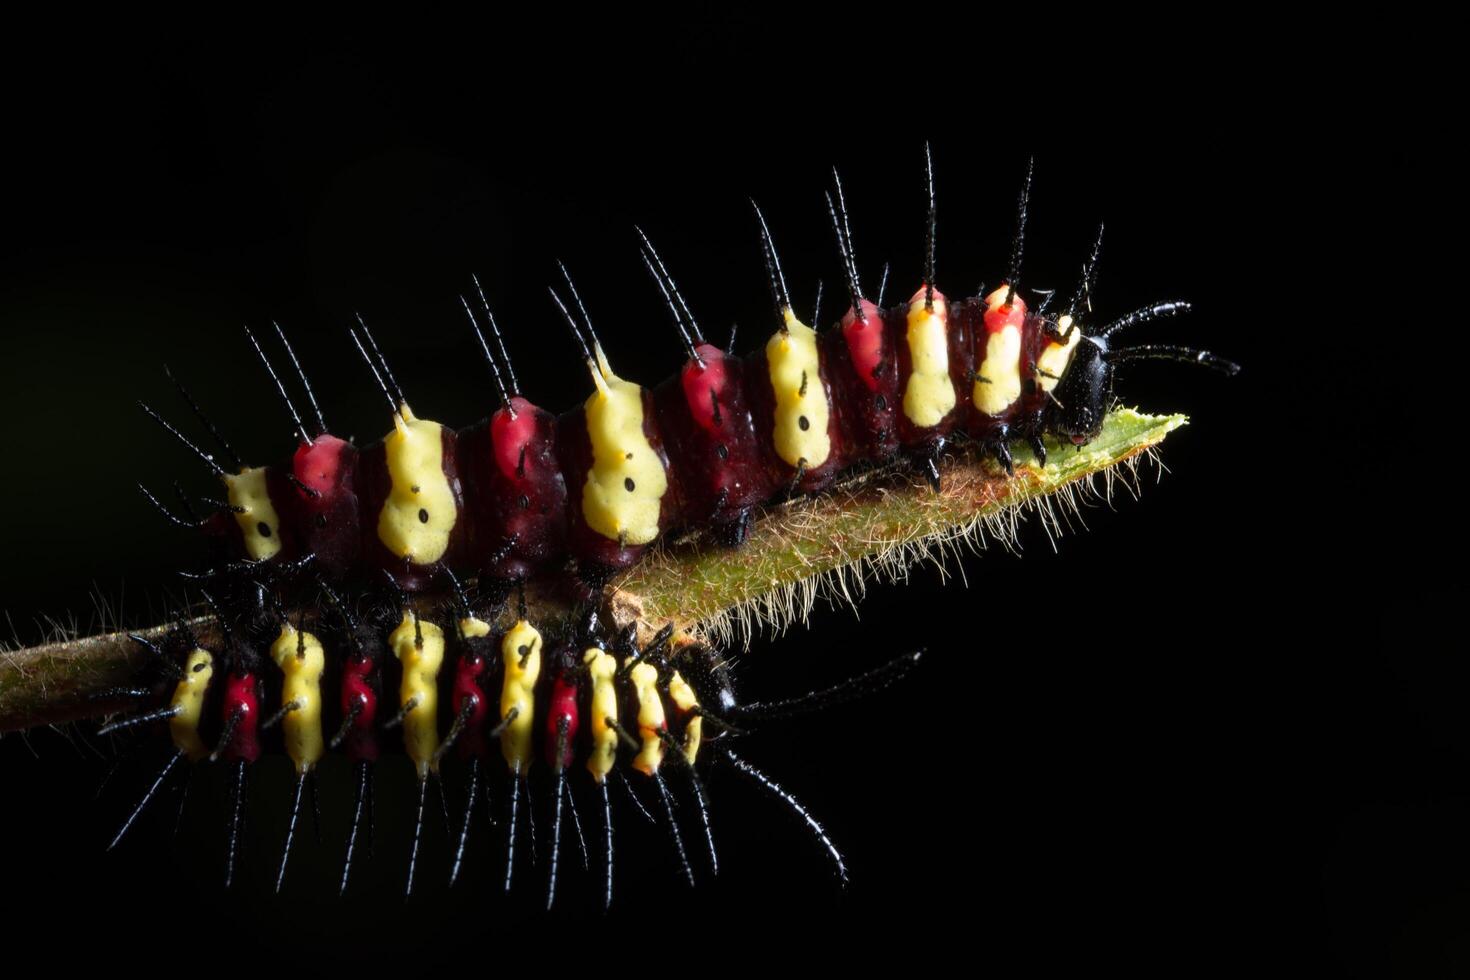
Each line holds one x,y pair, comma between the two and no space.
722,451
628,484
629,456
804,423
263,529
423,516
414,488
321,520
524,501
200,666
881,402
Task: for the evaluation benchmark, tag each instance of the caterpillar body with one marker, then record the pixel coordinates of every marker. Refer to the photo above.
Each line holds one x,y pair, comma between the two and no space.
335,585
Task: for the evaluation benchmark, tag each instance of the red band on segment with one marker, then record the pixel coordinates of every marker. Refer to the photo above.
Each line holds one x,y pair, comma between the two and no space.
242,695
999,314
865,343
359,690
706,387
469,675
562,709
513,431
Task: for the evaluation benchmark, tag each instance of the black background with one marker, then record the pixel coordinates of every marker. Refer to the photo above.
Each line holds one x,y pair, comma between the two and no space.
1170,742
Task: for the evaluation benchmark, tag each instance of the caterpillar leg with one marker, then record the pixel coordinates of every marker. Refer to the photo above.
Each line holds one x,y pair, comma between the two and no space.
1038,447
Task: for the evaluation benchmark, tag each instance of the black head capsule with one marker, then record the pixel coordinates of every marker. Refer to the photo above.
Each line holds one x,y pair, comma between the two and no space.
1086,390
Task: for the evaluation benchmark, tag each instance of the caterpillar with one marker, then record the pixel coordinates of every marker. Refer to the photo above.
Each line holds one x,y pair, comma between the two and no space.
577,499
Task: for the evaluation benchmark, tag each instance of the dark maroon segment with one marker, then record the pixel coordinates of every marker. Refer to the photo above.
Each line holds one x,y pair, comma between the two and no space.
361,682
574,450
319,508
242,694
865,382
980,321
375,484
762,400
917,440
515,493
716,459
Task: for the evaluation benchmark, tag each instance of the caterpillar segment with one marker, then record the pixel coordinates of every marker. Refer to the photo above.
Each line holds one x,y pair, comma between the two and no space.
520,652
419,648
613,462
793,400
706,417
300,657
183,715
359,696
188,705
515,485
563,720
470,703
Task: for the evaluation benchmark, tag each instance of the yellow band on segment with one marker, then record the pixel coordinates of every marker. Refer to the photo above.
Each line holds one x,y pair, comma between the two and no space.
601,667
421,662
929,395
254,512
1055,357
521,652
301,659
801,401
188,702
420,510
626,483
650,718
683,697
1001,371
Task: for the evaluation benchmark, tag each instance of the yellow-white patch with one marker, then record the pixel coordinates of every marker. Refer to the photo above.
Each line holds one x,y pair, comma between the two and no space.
188,701
1055,357
420,511
254,512
801,401
420,686
929,394
651,721
626,483
301,659
1001,371
521,653
683,697
601,668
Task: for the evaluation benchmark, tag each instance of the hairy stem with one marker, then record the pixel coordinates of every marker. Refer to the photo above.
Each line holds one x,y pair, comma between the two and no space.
877,523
